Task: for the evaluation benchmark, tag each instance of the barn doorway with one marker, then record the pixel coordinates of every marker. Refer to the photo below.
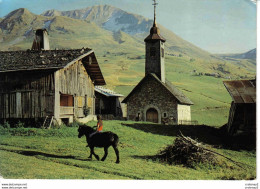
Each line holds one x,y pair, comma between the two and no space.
152,115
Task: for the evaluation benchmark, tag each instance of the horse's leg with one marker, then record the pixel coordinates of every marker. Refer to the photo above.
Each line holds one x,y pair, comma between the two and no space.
117,153
105,155
90,156
92,152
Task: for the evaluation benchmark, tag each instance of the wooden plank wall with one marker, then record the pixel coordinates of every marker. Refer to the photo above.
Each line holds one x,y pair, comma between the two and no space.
28,94
75,81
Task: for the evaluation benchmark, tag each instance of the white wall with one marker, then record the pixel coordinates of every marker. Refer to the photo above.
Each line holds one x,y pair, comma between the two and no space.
184,113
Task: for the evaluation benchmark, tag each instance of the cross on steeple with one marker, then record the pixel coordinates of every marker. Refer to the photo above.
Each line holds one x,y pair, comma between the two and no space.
154,4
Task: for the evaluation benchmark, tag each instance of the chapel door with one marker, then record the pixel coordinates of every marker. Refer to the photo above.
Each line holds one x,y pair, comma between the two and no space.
152,115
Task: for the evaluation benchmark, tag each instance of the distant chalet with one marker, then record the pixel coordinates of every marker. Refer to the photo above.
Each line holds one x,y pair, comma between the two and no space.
58,83
108,103
155,99
242,114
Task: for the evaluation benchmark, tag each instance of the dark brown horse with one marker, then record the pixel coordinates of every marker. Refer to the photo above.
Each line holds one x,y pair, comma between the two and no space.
101,140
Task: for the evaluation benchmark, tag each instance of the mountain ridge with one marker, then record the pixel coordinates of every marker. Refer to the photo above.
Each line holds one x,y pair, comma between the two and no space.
251,54
117,45
135,25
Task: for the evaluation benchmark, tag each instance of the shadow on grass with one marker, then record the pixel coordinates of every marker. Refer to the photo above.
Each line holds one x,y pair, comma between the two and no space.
35,153
202,133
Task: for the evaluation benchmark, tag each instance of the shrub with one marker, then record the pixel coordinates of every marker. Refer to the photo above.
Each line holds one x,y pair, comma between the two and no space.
6,125
19,125
86,111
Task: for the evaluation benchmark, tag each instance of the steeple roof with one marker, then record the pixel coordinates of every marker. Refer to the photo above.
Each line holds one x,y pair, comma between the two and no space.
154,35
154,31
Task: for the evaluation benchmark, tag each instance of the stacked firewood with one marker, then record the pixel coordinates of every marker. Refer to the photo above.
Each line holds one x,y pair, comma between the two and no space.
188,152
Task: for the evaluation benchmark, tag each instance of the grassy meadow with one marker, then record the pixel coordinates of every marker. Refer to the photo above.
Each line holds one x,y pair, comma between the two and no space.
57,153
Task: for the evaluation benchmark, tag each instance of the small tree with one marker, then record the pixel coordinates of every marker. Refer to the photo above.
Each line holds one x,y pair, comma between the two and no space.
86,110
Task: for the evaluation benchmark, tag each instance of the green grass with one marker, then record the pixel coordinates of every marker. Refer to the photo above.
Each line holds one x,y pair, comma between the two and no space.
27,153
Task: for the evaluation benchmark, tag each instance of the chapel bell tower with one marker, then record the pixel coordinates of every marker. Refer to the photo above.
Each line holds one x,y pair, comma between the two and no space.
154,51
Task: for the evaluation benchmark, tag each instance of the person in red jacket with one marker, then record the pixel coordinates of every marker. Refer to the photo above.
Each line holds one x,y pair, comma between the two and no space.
99,126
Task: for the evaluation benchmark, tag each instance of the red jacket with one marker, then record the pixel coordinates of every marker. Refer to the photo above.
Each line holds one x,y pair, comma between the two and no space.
99,126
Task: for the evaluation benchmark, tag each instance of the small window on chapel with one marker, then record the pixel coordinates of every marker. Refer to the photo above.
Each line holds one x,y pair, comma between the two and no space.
165,115
152,52
162,52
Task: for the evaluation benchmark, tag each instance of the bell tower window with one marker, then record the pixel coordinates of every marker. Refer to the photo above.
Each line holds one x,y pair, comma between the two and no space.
152,51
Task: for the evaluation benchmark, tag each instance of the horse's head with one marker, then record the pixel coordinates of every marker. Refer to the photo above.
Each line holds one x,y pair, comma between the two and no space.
80,131
84,130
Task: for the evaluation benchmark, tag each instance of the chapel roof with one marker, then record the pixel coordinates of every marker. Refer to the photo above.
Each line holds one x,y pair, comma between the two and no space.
181,98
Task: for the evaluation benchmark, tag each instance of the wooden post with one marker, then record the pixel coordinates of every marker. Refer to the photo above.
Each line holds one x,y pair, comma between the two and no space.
57,96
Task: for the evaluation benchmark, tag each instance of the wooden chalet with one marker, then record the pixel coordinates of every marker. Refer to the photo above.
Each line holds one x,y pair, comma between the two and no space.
59,84
242,114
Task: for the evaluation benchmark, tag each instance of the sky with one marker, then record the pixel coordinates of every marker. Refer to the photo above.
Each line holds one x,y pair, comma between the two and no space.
217,26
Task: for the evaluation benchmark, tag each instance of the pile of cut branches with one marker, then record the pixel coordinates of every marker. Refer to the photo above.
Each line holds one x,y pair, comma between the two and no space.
187,151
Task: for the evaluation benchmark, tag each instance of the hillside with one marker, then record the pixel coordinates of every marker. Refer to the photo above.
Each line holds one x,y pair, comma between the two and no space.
117,37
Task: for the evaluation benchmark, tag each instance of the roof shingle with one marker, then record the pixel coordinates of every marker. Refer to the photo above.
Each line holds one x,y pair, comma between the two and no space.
32,60
182,99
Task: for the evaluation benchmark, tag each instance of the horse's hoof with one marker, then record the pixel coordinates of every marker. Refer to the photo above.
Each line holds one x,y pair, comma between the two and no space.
102,159
117,162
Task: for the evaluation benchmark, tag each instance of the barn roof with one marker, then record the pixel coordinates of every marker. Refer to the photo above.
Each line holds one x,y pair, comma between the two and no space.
182,99
242,91
107,92
51,59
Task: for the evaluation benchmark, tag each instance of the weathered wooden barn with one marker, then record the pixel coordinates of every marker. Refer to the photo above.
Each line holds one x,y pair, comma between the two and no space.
108,103
242,114
154,98
55,83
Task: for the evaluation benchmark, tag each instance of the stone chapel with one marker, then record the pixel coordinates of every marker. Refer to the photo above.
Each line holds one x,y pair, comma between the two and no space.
154,98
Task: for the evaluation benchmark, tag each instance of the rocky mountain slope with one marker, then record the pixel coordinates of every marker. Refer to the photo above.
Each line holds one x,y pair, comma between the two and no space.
116,36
